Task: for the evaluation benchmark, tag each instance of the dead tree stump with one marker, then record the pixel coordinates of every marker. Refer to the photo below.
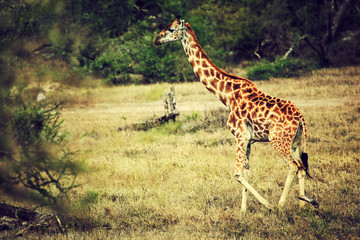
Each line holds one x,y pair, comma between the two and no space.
170,113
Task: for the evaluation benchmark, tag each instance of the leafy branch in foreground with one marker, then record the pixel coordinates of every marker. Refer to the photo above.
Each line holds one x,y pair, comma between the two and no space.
36,156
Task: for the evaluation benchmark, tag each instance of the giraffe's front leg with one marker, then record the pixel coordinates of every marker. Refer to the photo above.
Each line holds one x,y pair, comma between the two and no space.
242,166
241,172
244,193
262,200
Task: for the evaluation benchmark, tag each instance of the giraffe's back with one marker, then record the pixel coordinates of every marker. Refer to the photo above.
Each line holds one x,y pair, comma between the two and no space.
262,113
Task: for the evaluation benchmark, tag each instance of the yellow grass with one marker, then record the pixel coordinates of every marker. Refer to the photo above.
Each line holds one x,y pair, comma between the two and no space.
170,183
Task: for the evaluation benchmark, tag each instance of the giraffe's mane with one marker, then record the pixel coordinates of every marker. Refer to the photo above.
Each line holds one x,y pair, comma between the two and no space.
234,77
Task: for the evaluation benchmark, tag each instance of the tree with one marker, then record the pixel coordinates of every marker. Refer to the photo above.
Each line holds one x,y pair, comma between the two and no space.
16,20
337,14
323,25
266,29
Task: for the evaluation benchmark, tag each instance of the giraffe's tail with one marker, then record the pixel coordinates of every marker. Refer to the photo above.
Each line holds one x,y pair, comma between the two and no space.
304,156
304,160
299,148
304,134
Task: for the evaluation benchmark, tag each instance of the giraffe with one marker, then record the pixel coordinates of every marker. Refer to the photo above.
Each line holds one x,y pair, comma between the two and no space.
254,116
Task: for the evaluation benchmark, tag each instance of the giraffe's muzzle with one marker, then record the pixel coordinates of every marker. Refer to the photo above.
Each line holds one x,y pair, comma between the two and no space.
157,42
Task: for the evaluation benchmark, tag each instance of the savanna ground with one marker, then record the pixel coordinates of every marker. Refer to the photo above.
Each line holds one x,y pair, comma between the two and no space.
176,181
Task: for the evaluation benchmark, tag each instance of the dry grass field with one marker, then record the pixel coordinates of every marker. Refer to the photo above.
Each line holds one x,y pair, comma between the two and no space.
176,181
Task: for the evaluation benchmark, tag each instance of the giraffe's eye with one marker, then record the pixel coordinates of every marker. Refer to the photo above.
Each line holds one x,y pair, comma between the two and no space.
171,30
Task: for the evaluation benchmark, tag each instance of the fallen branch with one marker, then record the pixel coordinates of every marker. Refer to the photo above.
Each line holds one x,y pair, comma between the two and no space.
148,124
12,217
42,47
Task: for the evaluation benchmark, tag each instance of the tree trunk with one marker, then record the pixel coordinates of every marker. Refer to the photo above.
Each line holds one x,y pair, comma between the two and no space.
323,48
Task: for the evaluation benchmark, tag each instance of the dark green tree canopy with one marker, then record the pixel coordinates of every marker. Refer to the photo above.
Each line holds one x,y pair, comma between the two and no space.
113,39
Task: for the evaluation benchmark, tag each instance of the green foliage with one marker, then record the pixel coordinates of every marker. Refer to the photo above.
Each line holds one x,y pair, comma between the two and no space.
169,128
166,64
233,28
110,18
280,68
113,39
89,198
113,65
36,156
17,20
135,54
32,125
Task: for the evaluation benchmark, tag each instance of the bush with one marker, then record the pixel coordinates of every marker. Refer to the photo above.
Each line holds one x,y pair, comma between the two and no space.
35,156
113,64
288,67
135,54
163,64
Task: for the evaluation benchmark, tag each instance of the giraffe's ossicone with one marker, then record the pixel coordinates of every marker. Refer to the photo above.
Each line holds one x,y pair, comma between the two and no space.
253,115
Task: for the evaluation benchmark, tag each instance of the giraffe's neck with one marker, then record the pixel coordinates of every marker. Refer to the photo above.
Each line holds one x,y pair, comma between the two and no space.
203,68
214,79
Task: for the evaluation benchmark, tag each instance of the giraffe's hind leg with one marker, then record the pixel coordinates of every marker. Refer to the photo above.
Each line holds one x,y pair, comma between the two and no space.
302,197
290,149
302,159
281,139
301,176
293,158
289,179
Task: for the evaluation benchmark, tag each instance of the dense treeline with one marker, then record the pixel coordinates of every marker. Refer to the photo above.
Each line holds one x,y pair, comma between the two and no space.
113,39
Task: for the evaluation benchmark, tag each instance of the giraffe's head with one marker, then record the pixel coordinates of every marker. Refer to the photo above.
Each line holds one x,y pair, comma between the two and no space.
171,33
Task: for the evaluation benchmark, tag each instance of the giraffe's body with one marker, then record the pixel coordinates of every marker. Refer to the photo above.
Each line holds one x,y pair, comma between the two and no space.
254,116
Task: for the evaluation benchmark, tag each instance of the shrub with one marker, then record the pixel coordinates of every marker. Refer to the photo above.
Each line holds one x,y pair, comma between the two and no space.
135,54
288,67
36,156
113,64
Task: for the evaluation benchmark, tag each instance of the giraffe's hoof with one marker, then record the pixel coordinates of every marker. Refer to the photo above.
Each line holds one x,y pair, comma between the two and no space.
314,203
310,200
